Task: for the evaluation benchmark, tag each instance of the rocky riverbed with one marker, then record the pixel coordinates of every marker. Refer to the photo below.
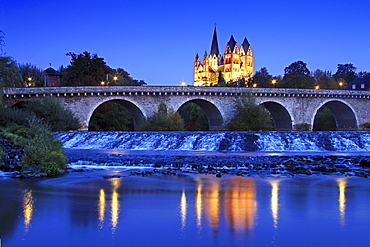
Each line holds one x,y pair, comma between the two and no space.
242,165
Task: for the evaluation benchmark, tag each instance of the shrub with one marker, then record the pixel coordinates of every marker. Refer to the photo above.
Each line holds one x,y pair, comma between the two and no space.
249,116
164,120
42,149
54,114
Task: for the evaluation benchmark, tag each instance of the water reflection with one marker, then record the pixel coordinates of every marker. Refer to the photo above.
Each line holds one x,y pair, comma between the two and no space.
240,203
183,207
101,207
198,203
342,184
237,195
28,208
211,201
115,205
274,201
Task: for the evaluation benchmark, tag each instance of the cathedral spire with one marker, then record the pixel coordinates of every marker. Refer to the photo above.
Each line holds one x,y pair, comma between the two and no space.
214,46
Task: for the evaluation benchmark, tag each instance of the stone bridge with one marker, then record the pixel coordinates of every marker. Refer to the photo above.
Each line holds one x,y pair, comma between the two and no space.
288,107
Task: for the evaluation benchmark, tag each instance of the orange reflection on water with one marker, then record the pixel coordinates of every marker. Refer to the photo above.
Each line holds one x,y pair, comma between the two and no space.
198,203
115,203
240,203
101,207
183,206
28,208
342,184
211,201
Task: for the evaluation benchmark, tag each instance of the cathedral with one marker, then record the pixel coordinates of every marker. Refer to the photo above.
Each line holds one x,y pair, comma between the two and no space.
235,64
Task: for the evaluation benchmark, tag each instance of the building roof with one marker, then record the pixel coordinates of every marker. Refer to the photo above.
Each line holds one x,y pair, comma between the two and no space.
51,71
232,43
359,84
214,45
245,45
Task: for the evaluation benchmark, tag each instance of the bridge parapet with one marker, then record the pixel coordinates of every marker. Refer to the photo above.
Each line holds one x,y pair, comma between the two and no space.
34,92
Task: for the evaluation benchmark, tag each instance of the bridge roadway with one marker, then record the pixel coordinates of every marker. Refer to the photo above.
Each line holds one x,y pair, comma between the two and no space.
288,107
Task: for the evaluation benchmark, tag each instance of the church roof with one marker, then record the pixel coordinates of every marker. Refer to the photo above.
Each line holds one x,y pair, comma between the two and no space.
51,71
245,45
232,43
214,45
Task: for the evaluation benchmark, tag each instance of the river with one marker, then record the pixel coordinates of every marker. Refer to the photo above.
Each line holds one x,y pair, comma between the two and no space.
92,208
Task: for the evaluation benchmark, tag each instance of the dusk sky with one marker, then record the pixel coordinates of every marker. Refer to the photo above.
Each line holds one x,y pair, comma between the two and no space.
156,41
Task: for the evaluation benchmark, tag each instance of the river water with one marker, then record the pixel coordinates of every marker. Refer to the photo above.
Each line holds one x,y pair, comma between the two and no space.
188,209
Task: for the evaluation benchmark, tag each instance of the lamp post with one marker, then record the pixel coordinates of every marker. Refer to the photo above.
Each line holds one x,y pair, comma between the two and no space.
254,85
340,84
29,83
273,82
317,87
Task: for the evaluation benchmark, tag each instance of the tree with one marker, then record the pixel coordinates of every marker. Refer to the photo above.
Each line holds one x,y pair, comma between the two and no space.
363,74
324,120
53,114
194,117
28,70
297,75
121,77
249,116
345,71
262,78
9,73
298,68
164,120
324,79
111,116
86,69
221,80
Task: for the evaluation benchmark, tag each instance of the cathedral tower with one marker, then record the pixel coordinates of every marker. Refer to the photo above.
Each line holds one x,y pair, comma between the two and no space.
235,64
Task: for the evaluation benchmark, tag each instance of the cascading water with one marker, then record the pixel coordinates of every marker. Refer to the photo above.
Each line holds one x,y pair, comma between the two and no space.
220,141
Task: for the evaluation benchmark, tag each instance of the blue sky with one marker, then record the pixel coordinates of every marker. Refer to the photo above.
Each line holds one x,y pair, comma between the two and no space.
157,40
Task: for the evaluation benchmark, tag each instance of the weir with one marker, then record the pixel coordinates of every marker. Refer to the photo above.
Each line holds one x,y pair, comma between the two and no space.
350,141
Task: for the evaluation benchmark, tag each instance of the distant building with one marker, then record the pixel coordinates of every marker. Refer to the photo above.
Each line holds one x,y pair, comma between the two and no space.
52,78
359,84
235,64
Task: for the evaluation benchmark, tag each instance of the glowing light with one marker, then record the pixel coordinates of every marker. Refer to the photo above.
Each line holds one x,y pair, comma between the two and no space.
274,201
198,203
240,203
317,87
115,204
183,84
115,78
254,85
28,208
342,184
29,78
101,207
102,83
273,81
183,206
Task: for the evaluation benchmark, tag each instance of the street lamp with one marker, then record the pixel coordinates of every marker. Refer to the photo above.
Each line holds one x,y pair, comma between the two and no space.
340,84
317,87
102,83
254,85
273,82
29,79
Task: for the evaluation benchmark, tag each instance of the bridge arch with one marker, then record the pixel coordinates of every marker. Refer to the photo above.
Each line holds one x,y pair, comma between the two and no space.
135,111
214,116
344,115
280,115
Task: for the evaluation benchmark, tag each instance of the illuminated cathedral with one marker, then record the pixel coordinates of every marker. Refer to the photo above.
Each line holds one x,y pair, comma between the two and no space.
235,64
